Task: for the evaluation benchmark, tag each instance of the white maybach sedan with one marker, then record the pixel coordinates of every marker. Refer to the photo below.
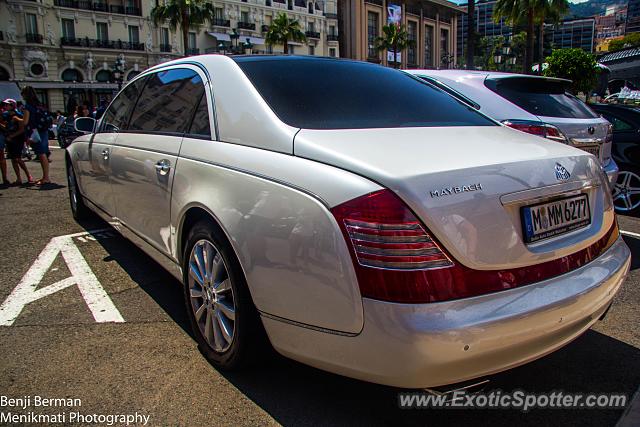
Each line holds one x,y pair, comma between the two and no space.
366,223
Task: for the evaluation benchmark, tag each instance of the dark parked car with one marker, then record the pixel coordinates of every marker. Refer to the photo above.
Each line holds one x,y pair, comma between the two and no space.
67,132
626,152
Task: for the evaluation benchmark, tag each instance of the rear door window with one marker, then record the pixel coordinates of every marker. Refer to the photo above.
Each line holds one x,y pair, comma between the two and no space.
166,104
541,97
116,117
200,127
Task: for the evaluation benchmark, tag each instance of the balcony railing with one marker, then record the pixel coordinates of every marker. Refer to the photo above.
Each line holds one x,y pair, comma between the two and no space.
265,28
99,6
267,2
221,22
246,26
101,44
300,3
378,2
34,38
332,37
193,51
312,34
331,15
165,48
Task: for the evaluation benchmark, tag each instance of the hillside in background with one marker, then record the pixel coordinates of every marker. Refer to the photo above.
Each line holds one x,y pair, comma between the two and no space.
591,8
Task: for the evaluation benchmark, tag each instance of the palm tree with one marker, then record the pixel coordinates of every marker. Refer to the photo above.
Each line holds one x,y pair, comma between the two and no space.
471,32
395,39
186,14
283,30
548,10
512,11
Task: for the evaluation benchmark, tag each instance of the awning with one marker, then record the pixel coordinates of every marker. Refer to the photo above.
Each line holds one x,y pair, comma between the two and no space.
10,90
221,36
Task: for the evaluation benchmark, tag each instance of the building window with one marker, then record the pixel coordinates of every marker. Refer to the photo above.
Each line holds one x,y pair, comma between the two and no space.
164,36
332,30
412,31
219,13
332,52
372,34
292,49
311,26
71,75
31,23
134,34
244,16
104,76
310,7
192,40
102,31
68,29
444,47
312,50
428,46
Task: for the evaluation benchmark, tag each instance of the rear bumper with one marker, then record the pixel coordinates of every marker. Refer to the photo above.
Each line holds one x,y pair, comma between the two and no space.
612,172
426,345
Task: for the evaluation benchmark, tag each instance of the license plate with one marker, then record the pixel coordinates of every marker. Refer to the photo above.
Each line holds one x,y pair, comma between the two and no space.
546,220
592,149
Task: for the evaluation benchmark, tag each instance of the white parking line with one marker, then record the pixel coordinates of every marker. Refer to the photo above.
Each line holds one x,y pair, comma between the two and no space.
631,234
92,292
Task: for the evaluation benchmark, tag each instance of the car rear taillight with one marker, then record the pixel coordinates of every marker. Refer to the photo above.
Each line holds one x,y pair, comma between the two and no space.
537,128
397,259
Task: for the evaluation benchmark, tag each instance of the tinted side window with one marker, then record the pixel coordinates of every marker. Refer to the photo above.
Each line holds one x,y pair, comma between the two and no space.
358,95
167,102
619,125
116,117
200,125
541,97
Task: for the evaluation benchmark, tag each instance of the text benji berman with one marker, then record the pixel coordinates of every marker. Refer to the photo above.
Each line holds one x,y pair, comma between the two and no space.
37,401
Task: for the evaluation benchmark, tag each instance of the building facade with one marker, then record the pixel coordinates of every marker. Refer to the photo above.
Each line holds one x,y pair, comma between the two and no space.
633,17
610,26
574,33
68,49
485,25
432,25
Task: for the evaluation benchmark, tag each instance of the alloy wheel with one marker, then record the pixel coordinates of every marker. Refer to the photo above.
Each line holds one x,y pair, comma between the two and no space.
211,295
626,191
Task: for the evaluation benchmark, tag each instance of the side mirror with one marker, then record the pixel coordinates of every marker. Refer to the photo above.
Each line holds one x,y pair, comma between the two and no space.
85,124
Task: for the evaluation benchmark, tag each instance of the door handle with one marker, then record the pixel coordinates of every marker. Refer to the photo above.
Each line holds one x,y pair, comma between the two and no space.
163,166
105,154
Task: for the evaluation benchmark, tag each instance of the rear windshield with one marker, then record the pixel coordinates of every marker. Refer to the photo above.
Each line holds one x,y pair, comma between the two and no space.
339,94
541,97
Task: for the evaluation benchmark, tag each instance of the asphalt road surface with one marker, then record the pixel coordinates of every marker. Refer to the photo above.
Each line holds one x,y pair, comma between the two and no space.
148,362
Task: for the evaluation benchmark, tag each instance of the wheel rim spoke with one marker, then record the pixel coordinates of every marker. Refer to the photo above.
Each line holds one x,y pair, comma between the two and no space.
227,311
212,297
200,311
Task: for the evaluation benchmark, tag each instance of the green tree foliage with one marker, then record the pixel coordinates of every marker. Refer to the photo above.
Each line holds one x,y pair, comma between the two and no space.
575,65
630,40
395,38
186,14
284,30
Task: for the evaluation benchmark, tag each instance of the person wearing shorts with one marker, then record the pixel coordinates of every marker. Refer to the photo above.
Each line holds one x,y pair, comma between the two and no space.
41,148
13,130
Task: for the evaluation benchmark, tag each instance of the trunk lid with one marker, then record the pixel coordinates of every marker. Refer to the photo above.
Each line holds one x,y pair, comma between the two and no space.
468,185
585,133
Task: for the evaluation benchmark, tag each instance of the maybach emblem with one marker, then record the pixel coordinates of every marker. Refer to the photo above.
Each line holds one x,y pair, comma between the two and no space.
448,191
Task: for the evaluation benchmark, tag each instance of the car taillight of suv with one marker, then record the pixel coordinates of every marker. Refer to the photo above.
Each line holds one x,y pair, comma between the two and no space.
544,130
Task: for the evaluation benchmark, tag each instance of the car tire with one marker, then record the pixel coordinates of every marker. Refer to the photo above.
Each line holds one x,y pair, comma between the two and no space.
225,323
78,209
626,191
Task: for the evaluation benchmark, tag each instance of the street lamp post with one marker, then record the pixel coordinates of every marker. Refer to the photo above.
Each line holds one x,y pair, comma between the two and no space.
118,70
234,36
247,46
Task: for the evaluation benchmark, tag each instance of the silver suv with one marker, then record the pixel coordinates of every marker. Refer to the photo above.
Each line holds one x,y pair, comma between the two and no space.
532,104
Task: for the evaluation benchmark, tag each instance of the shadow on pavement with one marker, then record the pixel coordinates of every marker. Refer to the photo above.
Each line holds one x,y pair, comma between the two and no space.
295,394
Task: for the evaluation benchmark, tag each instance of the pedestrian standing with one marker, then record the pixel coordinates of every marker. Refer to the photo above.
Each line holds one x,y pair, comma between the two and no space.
38,121
3,162
14,129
